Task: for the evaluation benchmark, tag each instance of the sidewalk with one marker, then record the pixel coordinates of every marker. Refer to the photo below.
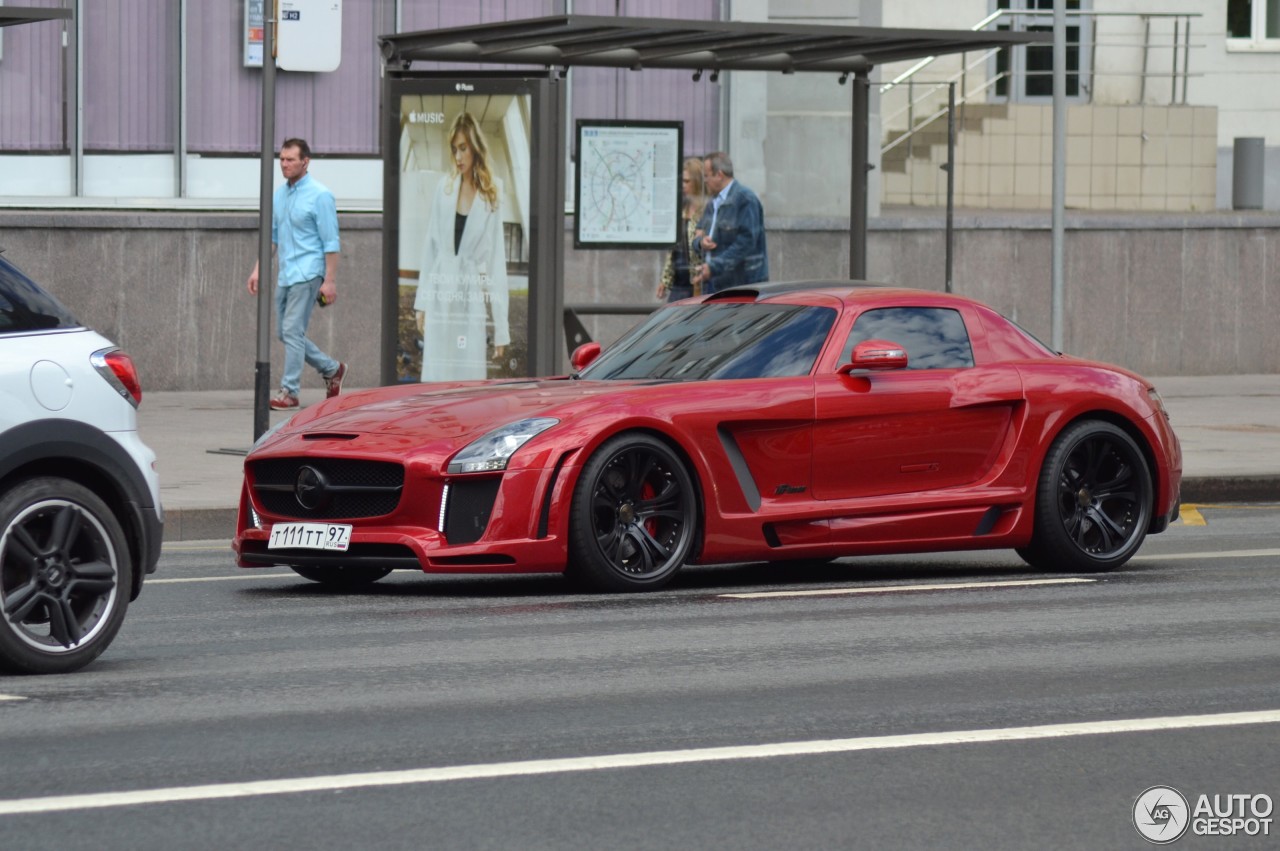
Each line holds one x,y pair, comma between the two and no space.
1229,427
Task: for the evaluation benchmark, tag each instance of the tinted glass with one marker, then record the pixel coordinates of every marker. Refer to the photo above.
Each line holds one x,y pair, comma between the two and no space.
26,307
934,337
708,341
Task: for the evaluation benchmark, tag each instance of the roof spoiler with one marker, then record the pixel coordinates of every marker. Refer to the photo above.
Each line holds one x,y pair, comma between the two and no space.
757,292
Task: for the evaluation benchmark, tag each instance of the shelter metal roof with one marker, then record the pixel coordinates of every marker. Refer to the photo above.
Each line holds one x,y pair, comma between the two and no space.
14,15
636,43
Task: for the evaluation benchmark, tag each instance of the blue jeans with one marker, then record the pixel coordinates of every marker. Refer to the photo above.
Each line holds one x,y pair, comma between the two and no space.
293,313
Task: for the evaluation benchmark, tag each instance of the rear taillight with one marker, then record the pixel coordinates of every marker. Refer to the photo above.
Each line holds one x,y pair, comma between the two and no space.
118,370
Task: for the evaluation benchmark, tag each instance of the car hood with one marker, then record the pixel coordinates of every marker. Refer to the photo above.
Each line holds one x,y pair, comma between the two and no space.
449,412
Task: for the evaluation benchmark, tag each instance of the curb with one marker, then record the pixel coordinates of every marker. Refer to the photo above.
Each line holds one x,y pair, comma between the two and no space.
199,524
1200,490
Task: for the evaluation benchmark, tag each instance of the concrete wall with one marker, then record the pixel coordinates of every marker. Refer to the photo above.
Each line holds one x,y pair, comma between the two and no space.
1162,294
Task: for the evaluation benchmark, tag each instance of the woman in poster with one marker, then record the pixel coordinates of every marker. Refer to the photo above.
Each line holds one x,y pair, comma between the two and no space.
464,264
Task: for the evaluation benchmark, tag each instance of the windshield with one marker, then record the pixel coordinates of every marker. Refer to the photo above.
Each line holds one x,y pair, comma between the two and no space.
720,340
24,307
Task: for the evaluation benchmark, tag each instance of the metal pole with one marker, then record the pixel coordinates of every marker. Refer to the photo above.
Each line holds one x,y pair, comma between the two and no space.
262,368
858,177
911,116
950,169
1173,78
180,144
1146,50
77,103
1059,163
1186,57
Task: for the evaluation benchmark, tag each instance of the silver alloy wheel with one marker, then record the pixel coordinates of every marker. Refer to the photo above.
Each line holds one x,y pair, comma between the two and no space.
59,576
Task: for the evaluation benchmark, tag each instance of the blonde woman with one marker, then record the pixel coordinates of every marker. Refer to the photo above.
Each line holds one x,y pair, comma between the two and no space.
676,283
464,264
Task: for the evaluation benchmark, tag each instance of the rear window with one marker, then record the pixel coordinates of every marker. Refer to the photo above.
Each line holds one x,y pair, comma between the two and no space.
25,307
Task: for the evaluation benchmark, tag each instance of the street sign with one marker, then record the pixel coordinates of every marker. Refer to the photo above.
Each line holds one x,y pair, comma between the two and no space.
309,35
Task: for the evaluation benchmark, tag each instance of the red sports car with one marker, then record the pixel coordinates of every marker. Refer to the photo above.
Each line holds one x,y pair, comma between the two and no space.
781,421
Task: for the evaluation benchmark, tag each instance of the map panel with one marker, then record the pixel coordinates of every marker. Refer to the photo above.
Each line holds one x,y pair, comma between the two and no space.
628,184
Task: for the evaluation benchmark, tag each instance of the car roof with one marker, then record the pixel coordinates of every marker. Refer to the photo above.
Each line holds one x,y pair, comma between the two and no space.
847,291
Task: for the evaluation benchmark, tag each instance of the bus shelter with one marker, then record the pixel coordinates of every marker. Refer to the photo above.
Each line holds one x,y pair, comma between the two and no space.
549,46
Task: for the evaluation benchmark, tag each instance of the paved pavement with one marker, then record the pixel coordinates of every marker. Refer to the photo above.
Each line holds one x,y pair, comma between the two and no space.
1229,427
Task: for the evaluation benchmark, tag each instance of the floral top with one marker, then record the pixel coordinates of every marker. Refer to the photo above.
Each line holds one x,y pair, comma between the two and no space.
685,253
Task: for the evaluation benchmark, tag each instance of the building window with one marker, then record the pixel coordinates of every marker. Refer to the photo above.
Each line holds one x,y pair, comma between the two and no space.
1026,73
1253,24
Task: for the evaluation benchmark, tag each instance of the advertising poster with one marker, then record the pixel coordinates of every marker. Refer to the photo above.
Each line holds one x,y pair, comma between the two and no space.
463,235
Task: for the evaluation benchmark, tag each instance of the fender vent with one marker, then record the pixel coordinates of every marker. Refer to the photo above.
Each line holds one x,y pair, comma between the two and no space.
467,513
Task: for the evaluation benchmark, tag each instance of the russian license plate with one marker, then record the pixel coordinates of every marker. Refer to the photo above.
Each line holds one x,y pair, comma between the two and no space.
310,536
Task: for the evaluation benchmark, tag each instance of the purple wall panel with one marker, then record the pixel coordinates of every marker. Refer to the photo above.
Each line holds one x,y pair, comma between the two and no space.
31,86
338,112
131,71
431,15
654,94
224,106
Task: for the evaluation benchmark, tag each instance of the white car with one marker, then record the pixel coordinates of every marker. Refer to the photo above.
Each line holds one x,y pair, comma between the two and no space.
80,515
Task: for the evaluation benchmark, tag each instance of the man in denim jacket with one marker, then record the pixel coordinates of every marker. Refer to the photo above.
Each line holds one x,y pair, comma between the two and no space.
733,242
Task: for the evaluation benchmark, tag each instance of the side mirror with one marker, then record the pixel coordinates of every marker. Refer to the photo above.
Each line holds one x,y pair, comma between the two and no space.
584,355
877,355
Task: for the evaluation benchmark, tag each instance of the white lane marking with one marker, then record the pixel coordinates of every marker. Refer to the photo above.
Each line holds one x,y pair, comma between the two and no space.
11,697
293,785
232,578
883,589
1226,554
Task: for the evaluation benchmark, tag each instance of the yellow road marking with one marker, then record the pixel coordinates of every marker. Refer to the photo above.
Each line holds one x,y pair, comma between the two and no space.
1191,516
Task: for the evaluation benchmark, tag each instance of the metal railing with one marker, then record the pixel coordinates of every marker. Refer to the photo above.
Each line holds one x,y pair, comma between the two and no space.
924,102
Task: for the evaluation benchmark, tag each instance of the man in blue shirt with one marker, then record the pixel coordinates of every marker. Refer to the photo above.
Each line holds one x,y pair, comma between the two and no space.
304,231
733,243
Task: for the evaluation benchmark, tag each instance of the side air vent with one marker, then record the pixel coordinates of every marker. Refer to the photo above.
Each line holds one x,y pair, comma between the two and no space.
467,514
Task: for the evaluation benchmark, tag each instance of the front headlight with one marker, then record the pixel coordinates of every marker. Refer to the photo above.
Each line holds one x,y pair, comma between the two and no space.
1158,401
494,450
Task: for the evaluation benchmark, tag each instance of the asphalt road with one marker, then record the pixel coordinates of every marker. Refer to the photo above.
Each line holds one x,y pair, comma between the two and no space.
513,713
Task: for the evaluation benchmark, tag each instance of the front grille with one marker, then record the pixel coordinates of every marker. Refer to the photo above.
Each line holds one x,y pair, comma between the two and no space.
347,488
468,510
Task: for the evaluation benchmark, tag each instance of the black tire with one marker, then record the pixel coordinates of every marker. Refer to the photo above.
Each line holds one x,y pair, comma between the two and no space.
1093,502
341,576
65,575
634,516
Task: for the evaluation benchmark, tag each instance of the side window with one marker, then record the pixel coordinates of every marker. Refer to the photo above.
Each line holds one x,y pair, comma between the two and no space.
934,337
26,307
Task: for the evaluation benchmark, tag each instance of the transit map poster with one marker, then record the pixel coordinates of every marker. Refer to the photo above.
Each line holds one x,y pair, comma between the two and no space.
627,187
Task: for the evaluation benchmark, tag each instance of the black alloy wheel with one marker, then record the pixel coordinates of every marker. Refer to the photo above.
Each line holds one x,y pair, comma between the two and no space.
64,577
634,516
1094,501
